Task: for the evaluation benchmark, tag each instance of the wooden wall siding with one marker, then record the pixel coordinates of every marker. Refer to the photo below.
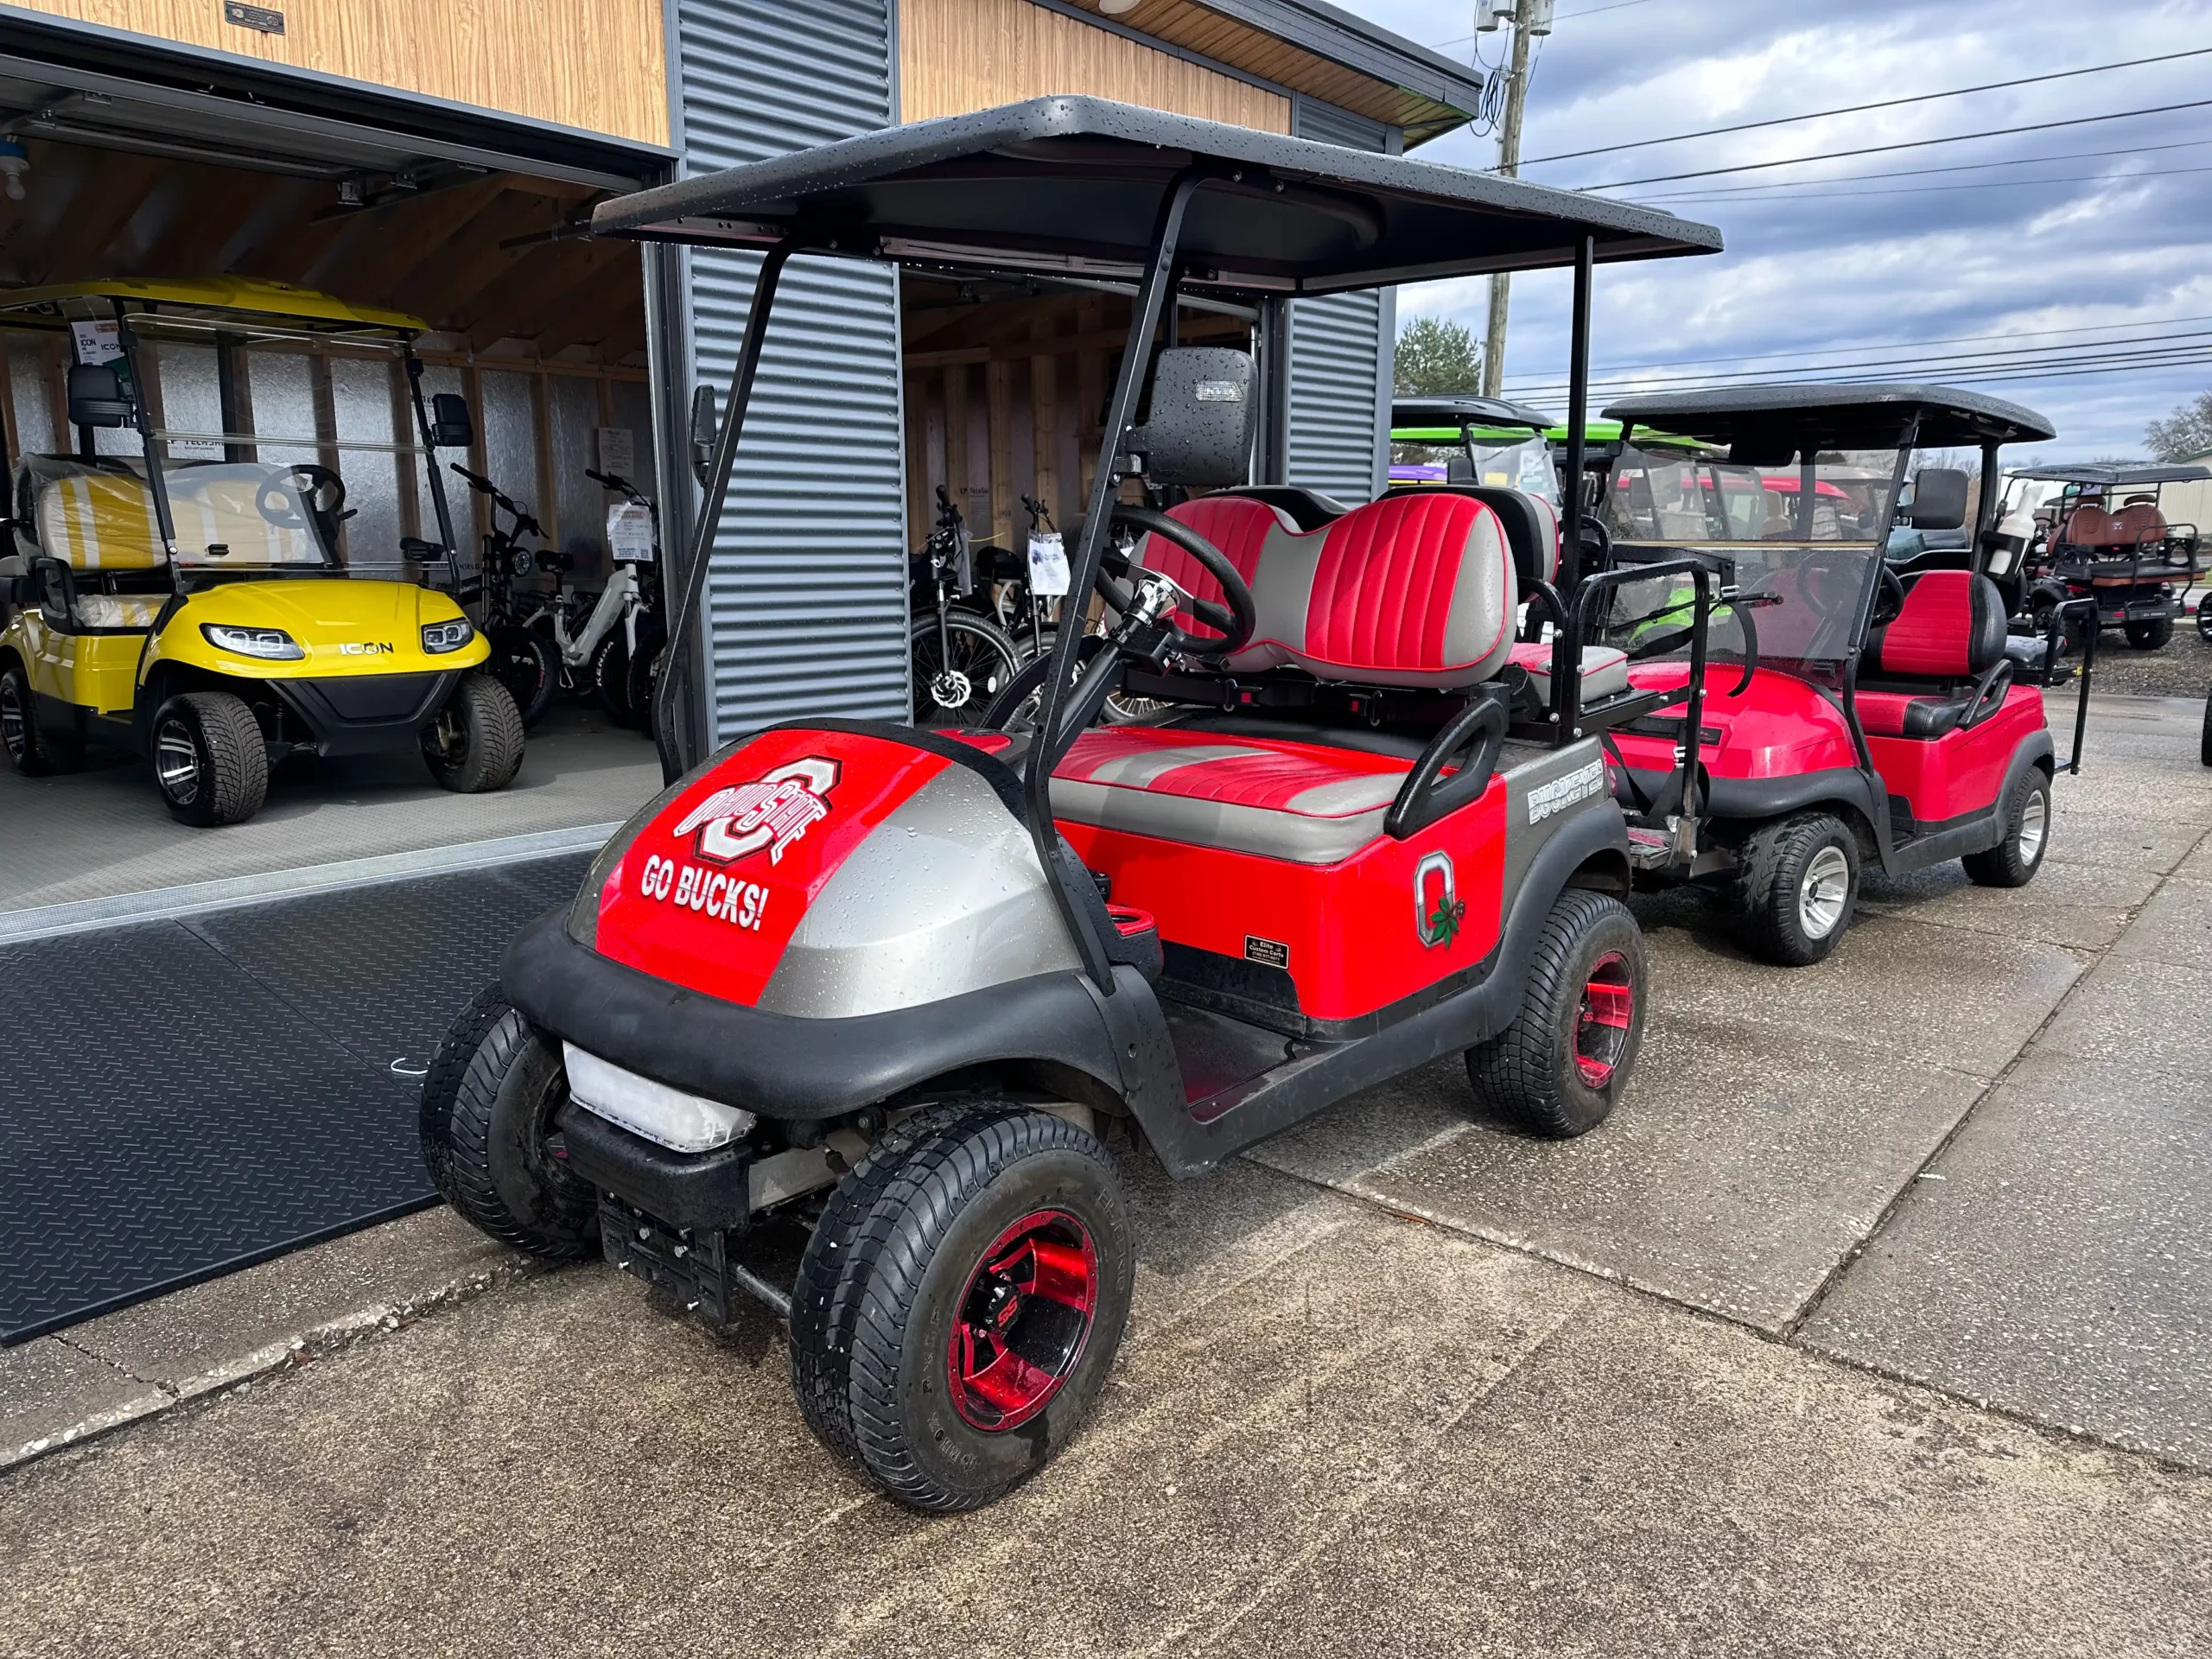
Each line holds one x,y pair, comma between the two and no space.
1195,27
593,64
959,55
1003,398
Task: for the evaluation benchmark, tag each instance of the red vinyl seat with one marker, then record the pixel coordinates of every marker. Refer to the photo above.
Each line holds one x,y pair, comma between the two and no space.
1417,592
1303,802
1950,632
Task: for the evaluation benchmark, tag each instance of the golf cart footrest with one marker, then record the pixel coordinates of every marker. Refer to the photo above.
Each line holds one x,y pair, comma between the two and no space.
691,1263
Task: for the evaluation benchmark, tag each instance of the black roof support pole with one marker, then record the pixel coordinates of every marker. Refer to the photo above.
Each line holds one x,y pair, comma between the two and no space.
1145,313
1578,414
683,648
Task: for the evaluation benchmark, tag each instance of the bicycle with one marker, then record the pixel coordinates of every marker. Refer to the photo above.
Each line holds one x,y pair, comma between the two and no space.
961,658
582,632
625,680
523,658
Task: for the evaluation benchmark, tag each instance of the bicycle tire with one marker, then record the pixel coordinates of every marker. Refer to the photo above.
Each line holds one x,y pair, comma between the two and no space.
983,662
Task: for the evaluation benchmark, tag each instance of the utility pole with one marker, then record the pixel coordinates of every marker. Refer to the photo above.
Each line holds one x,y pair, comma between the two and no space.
1529,18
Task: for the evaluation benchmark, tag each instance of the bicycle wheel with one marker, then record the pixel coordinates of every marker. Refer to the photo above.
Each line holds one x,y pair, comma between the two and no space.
528,664
956,678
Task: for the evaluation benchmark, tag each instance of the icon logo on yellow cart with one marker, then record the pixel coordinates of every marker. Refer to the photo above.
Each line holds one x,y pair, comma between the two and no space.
364,647
738,821
1437,910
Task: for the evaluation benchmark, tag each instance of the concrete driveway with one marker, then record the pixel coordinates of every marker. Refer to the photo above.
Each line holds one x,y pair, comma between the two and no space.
1877,1322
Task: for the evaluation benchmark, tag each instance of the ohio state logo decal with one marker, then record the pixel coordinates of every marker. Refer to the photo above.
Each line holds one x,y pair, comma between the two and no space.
1438,908
738,821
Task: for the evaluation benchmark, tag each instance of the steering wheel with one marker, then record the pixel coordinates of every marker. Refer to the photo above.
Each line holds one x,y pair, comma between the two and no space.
1889,599
321,490
1233,621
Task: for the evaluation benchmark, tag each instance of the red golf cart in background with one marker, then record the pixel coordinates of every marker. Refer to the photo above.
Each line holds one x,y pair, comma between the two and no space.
1854,711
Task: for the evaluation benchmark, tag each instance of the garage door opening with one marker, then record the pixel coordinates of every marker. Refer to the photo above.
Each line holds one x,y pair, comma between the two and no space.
539,332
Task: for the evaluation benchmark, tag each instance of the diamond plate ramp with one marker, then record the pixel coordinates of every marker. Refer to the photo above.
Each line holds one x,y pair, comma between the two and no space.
177,1101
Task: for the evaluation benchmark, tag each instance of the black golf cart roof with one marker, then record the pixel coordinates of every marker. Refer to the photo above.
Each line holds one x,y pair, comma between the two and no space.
1075,184
2114,477
1464,408
1833,416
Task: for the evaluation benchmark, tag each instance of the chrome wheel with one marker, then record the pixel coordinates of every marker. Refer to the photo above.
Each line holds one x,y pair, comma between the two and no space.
1823,892
2035,825
176,762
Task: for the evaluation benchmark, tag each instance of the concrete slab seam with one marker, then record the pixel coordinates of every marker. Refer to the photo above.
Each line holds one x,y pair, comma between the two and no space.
238,1373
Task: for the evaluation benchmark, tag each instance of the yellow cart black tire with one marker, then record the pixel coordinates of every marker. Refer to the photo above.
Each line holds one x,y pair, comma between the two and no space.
29,750
475,744
210,760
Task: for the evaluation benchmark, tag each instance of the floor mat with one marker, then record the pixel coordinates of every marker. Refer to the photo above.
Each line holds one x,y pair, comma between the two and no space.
178,1099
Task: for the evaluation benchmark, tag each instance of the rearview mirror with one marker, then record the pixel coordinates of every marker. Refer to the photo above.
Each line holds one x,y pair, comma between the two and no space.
1939,498
703,433
96,396
451,427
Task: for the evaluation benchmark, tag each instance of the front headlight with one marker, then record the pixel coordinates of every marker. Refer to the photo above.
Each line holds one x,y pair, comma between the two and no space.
438,638
273,645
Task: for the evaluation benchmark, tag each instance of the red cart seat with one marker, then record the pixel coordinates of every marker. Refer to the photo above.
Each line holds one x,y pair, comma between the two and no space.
1401,591
1950,631
1302,802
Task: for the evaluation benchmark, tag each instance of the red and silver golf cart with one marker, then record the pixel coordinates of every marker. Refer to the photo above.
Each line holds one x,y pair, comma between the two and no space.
1854,710
899,983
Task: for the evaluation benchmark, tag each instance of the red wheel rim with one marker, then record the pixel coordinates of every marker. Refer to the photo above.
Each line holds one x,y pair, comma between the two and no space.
1022,1320
1601,1026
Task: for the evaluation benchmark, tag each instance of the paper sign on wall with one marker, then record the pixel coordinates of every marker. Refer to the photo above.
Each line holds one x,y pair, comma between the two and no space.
618,452
98,342
630,532
1048,564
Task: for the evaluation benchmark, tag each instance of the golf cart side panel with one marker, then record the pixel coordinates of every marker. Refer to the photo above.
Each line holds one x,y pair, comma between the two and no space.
1778,726
1962,772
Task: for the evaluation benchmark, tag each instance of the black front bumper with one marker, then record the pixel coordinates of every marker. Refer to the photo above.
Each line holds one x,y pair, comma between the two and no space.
796,1070
366,714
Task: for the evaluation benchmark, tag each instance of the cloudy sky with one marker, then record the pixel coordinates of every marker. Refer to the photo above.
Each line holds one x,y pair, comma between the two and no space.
2080,242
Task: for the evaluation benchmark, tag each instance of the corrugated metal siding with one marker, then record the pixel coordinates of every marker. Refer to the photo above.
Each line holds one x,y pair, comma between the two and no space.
1339,398
806,599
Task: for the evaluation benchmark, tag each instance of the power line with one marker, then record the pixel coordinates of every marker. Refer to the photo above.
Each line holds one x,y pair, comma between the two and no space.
2110,352
1923,172
1886,104
1620,370
1925,189
1912,144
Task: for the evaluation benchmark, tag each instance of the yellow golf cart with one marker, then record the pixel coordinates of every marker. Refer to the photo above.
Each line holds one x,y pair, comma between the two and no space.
202,600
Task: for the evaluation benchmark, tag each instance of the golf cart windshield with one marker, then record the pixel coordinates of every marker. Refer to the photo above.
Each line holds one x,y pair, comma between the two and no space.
1796,547
1516,461
251,482
1679,497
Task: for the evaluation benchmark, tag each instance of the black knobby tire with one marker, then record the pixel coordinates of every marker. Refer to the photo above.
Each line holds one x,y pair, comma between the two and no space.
2151,634
1792,895
1559,1069
641,673
210,759
895,1264
486,1124
2204,620
2013,861
528,664
609,673
19,733
983,662
475,743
